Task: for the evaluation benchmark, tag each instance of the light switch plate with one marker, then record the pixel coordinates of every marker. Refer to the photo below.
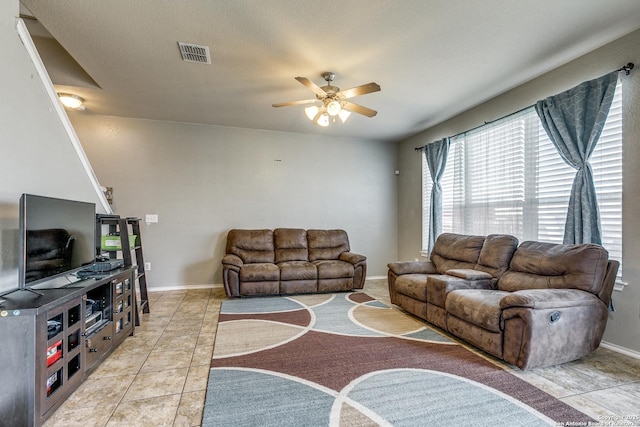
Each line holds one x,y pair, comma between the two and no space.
149,218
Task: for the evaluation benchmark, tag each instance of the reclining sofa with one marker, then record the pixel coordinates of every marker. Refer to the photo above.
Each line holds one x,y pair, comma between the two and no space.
533,305
290,261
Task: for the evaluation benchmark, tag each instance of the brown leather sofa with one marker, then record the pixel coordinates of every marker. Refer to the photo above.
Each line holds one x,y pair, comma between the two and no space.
290,261
532,305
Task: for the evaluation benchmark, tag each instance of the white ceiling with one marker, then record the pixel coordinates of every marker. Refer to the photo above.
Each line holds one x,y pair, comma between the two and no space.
432,58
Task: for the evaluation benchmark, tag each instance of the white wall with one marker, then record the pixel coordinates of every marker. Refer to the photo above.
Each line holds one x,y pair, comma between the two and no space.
623,328
204,180
37,154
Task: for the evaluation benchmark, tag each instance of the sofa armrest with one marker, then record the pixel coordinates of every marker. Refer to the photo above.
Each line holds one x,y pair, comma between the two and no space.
359,263
352,258
412,267
231,265
548,298
232,260
544,327
469,274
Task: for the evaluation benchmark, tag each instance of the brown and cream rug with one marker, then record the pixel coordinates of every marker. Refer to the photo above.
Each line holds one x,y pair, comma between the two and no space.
348,360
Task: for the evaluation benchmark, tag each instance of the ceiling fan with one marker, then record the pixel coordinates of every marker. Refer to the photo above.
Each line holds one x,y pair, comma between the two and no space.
333,100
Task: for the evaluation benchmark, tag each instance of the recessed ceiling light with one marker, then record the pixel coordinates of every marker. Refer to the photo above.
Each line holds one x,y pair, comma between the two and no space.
70,101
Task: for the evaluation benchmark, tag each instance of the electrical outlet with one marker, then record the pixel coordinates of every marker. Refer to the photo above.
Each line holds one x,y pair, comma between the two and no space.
147,266
151,218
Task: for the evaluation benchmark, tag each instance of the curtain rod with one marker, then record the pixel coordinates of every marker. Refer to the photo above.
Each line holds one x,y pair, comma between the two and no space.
626,68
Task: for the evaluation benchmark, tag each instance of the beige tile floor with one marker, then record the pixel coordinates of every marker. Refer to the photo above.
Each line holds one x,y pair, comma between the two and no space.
158,377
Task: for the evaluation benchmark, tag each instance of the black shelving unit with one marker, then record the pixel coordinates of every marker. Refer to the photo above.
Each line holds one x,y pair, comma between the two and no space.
124,227
141,279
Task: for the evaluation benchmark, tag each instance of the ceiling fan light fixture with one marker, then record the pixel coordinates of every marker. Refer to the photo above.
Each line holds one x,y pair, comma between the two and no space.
333,108
333,101
311,112
323,120
344,115
71,101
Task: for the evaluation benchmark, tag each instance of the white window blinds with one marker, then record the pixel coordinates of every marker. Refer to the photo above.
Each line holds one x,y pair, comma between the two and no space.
507,177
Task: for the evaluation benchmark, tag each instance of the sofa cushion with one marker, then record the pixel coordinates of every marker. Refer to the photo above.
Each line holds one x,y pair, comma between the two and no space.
290,244
259,272
537,265
251,245
456,251
412,285
333,269
479,307
327,244
297,270
496,254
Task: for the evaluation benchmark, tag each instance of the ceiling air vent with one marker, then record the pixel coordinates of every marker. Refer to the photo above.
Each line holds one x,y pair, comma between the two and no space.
195,53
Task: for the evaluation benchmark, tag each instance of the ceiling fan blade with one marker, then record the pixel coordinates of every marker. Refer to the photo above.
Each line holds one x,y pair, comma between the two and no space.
311,85
355,108
359,90
304,101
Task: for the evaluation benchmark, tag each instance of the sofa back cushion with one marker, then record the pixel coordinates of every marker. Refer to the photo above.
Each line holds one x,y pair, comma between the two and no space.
251,246
327,244
496,254
455,251
291,244
537,265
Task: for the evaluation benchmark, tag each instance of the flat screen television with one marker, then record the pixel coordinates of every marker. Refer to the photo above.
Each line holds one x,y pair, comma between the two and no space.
57,236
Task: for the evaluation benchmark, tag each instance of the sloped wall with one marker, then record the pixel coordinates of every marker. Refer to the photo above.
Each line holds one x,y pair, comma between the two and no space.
37,154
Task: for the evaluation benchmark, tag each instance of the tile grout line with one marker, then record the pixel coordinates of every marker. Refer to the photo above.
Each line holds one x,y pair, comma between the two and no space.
158,301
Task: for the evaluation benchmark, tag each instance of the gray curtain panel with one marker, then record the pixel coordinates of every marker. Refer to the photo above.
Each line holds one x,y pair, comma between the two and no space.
436,155
574,120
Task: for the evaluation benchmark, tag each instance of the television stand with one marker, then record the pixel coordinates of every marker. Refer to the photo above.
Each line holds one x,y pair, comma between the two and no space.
55,336
31,290
21,289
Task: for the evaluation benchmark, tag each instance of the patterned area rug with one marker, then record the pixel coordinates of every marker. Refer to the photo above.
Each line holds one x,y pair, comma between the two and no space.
349,360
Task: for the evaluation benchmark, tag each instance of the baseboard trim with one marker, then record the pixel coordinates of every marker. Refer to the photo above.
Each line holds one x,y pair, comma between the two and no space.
215,285
184,287
621,350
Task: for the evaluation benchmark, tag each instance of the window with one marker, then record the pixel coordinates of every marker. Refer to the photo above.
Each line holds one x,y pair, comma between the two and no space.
507,177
